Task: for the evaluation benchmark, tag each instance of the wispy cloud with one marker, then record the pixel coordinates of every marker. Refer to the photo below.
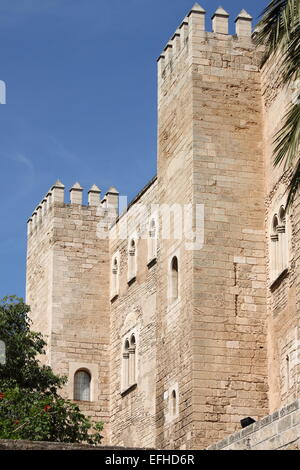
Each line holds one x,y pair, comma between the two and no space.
25,161
28,172
61,152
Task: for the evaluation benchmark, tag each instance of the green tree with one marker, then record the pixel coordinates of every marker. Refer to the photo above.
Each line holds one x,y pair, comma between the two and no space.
279,32
30,405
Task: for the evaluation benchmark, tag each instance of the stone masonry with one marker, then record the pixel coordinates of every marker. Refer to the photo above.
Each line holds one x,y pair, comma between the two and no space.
184,309
279,431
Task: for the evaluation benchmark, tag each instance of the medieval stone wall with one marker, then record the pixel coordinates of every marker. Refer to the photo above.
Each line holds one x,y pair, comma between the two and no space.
9,444
282,244
69,293
134,312
279,431
175,142
230,374
40,275
211,154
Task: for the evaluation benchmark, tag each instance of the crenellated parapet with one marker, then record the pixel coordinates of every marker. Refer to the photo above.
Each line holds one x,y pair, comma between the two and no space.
107,207
193,28
195,20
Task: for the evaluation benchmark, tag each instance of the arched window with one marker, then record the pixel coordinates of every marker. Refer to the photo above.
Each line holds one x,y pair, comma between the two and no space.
274,248
279,244
125,368
129,362
173,403
287,359
152,245
282,239
115,277
82,386
174,279
282,216
132,349
132,260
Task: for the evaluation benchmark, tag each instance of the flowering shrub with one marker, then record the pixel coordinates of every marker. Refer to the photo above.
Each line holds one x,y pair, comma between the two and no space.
30,405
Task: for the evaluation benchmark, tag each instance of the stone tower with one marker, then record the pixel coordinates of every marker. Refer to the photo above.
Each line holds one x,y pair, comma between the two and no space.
210,152
66,265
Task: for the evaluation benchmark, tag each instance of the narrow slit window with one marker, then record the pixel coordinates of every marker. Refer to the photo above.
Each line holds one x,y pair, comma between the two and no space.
132,260
173,403
287,372
174,279
152,241
115,277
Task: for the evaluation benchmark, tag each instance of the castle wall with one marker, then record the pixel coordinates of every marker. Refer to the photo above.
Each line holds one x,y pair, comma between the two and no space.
283,287
175,165
211,154
134,311
39,275
68,286
278,431
229,342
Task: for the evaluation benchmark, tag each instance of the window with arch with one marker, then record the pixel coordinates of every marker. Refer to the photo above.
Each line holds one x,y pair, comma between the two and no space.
129,362
287,367
279,244
132,260
283,239
171,397
174,279
173,403
115,277
82,385
152,241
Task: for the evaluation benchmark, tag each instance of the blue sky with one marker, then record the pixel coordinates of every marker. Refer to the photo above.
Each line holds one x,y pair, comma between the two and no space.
81,101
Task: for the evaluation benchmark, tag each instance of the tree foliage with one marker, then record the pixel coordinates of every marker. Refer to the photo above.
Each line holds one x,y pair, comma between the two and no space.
279,32
30,405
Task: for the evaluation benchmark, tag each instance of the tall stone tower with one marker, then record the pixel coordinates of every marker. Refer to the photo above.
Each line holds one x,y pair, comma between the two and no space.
212,341
68,287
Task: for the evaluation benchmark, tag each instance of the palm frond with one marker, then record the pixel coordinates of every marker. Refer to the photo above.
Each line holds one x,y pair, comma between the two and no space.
279,32
288,138
293,186
279,18
290,63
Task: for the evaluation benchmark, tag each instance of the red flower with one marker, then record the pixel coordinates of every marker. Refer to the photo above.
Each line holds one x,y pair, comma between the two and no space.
2,395
17,421
47,408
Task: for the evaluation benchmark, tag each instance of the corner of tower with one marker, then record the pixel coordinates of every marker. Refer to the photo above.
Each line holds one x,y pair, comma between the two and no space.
191,35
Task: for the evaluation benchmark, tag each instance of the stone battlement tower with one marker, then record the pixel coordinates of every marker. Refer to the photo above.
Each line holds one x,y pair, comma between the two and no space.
179,341
210,152
67,262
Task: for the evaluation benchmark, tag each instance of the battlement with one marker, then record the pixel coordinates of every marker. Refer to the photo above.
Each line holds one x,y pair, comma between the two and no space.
108,206
193,25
